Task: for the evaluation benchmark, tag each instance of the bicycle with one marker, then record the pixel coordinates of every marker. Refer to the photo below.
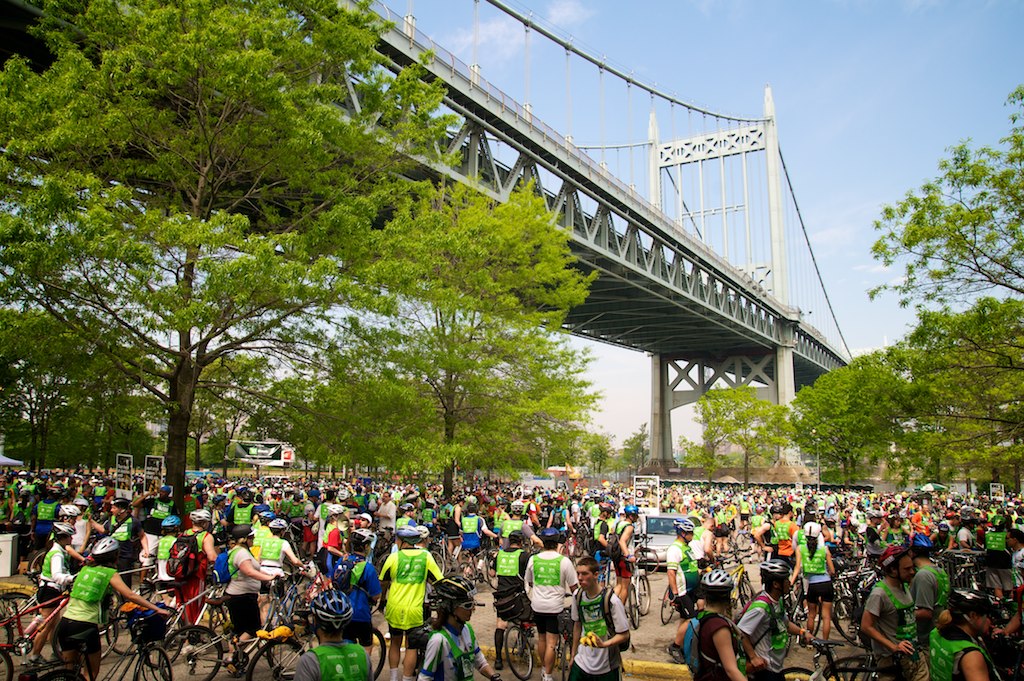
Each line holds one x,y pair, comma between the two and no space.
668,608
519,638
858,667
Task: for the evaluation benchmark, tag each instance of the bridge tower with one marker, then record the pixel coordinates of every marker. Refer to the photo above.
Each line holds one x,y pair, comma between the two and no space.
682,378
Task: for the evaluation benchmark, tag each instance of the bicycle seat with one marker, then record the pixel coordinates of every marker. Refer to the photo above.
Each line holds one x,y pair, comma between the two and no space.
216,600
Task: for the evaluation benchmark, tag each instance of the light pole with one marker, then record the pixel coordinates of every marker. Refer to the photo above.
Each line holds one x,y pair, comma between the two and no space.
817,455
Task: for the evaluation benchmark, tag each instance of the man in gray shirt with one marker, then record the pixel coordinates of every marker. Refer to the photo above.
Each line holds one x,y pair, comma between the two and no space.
929,589
889,616
764,627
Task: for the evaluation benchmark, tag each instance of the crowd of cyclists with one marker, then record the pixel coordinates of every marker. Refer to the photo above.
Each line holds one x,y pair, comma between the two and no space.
937,579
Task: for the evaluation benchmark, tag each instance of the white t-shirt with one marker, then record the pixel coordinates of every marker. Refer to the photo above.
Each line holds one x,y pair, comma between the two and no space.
592,660
386,517
966,536
550,599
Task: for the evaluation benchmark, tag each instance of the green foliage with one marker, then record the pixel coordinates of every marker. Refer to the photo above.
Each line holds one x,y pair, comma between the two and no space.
636,448
598,448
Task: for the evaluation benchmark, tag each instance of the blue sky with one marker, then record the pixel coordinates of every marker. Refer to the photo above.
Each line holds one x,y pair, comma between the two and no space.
869,94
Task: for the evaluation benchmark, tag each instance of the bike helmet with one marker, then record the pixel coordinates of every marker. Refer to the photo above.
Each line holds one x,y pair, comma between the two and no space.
200,515
943,527
360,537
423,531
774,570
121,503
166,489
777,509
69,510
171,521
518,507
471,507
219,498
105,547
606,507
267,516
922,542
812,530
63,530
551,534
332,608
452,591
891,555
682,525
278,524
342,495
245,494
963,601
408,533
335,509
718,582
516,537
406,507
259,509
80,501
239,532
631,509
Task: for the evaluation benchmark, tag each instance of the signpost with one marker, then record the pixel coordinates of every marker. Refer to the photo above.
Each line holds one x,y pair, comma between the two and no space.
279,454
996,491
153,475
647,493
123,476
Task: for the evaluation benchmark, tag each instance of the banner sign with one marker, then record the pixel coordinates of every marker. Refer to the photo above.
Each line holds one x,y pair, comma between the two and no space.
647,493
265,453
153,476
123,476
996,491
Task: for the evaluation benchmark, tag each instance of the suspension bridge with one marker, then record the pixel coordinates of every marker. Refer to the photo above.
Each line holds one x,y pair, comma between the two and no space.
703,257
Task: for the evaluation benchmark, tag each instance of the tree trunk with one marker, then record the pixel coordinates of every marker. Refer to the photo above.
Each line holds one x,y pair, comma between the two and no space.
182,393
746,469
197,460
449,479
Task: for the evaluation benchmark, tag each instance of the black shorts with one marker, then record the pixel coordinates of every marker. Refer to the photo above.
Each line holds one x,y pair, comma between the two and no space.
547,623
684,606
360,632
244,610
46,593
744,517
71,634
820,592
722,530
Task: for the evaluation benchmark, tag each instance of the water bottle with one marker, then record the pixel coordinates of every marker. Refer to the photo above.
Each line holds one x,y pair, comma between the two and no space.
33,625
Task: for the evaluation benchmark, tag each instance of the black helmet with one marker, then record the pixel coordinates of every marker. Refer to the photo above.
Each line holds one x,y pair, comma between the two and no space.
777,509
963,601
454,590
242,531
515,537
470,508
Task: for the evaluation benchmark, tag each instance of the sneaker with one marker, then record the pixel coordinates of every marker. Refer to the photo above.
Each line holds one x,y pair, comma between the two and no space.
31,660
675,652
498,665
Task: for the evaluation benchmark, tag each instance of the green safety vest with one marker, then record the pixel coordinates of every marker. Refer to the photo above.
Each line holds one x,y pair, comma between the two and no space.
445,512
342,663
99,492
163,547
403,521
161,509
124,532
189,505
687,565
462,661
756,521
779,635
995,541
780,531
943,652
511,525
592,615
942,579
92,583
508,563
46,572
243,515
272,548
813,565
744,507
547,571
906,624
470,524
412,566
428,515
47,510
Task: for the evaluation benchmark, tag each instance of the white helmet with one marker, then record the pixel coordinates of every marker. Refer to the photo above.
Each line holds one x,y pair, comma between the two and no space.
200,515
335,509
342,495
80,501
70,511
812,530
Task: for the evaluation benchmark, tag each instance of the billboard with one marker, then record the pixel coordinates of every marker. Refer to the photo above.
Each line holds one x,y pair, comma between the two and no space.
153,473
647,493
279,454
123,476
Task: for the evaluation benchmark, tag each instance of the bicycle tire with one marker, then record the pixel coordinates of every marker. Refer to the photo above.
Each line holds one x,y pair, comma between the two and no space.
632,608
743,542
35,561
379,654
490,557
518,652
851,668
275,661
797,673
6,666
667,609
153,664
746,590
564,653
11,604
62,675
201,649
643,592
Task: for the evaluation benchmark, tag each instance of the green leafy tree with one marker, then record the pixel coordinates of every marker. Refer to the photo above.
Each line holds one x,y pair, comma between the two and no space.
180,184
598,448
636,448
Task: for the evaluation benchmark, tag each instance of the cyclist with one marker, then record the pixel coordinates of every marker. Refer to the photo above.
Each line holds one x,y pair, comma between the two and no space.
814,563
407,517
683,578
170,527
194,583
43,516
244,588
549,576
336,658
889,619
472,527
54,579
624,565
404,582
601,659
998,559
930,588
764,627
452,652
364,589
511,567
122,527
956,650
275,549
718,639
157,505
88,605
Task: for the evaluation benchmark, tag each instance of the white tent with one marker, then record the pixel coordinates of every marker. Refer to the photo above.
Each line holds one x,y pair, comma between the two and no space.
7,461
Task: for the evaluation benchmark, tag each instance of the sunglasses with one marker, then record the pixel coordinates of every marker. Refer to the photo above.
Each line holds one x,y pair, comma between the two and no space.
468,605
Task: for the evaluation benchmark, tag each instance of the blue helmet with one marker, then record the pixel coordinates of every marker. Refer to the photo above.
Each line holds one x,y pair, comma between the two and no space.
408,533
171,521
332,608
631,509
267,516
682,525
921,541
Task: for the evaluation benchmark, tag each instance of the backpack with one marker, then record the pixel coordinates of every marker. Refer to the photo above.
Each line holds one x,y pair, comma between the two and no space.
348,574
184,559
612,536
606,609
863,591
222,570
692,655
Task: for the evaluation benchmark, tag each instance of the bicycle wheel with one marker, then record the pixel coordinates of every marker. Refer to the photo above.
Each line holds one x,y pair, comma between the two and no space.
62,675
518,652
564,653
35,561
153,664
746,591
490,558
379,653
632,608
199,649
796,673
643,593
438,555
667,608
6,666
10,605
275,661
851,668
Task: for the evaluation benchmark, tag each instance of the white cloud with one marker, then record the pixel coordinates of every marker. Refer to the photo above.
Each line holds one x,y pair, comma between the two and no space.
501,39
566,13
877,268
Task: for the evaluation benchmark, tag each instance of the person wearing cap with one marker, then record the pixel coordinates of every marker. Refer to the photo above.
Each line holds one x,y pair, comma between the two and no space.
404,579
157,506
764,627
549,576
956,650
244,588
814,564
889,618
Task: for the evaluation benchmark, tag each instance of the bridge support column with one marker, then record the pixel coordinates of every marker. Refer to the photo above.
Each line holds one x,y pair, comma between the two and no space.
661,408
